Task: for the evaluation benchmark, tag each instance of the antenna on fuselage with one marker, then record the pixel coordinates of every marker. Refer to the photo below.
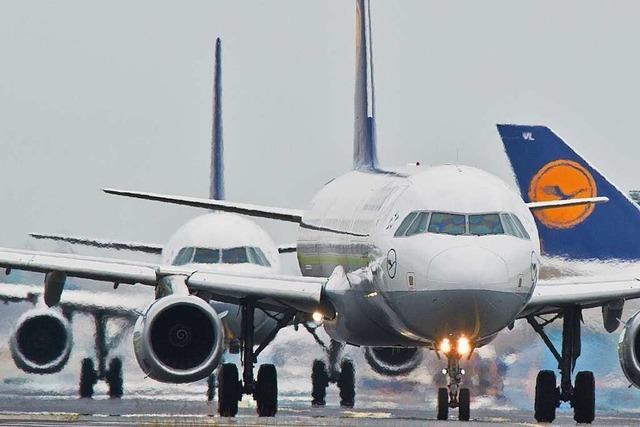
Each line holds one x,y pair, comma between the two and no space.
364,142
216,189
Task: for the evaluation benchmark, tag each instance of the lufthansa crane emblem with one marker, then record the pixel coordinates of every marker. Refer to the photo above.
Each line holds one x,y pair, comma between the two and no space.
392,263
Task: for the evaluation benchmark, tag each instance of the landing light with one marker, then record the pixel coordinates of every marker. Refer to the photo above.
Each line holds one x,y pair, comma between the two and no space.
317,317
464,346
445,346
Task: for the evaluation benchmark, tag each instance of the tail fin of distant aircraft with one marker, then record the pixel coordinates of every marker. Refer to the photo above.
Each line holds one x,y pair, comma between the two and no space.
216,189
364,142
546,168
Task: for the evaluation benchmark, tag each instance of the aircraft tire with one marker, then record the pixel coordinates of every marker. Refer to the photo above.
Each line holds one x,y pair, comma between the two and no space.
443,403
464,401
319,382
546,400
229,389
88,378
267,391
584,398
114,378
347,384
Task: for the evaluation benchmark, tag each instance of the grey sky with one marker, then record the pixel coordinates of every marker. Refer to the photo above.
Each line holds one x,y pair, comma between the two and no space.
118,93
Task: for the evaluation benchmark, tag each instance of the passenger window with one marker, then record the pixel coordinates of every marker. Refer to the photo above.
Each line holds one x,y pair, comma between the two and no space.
444,223
206,256
184,256
509,226
482,225
405,224
234,255
419,226
521,228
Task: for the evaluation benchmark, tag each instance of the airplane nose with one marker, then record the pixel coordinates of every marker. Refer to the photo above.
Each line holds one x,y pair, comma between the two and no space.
467,267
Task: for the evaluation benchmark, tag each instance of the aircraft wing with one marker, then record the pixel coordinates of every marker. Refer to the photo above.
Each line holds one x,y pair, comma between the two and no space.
551,204
121,306
549,296
150,248
283,291
282,214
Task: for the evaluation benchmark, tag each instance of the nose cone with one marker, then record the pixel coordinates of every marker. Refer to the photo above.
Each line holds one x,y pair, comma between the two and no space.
467,267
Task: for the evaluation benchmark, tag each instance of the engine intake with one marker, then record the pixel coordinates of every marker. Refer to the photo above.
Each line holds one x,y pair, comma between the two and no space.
393,361
629,350
179,339
41,343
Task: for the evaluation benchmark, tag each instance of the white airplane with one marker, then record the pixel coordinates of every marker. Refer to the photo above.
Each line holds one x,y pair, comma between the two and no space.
219,242
442,258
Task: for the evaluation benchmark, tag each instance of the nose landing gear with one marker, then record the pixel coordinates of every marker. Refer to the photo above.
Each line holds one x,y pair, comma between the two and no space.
454,396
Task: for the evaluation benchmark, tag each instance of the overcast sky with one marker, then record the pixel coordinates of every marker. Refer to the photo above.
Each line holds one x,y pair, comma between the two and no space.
118,93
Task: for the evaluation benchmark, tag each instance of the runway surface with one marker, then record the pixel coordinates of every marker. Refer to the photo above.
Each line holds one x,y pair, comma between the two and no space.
149,410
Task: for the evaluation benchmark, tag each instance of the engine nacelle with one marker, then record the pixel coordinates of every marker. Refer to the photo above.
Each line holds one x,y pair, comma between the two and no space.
41,342
393,361
629,350
179,339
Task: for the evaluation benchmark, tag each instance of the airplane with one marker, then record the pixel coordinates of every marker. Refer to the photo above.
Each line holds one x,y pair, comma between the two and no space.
42,339
441,258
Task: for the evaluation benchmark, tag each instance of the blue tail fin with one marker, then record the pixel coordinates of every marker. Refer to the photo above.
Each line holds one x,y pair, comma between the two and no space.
546,168
216,189
364,139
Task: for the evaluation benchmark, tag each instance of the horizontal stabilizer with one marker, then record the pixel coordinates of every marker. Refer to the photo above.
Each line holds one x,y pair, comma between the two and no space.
149,248
551,204
281,214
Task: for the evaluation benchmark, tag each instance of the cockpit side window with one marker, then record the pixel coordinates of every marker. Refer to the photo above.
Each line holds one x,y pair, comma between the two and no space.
256,256
234,255
521,228
206,256
445,223
509,226
419,226
184,256
482,225
406,222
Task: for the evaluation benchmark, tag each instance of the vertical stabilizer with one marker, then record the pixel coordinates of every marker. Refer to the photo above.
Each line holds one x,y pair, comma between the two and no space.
216,189
364,142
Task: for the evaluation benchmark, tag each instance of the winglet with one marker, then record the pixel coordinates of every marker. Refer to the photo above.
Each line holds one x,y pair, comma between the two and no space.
364,141
216,189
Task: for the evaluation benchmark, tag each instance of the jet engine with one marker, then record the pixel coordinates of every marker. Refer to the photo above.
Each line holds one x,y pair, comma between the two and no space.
41,342
629,350
178,339
393,361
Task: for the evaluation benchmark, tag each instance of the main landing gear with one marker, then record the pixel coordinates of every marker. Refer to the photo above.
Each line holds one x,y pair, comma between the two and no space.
264,388
454,396
580,394
344,375
89,375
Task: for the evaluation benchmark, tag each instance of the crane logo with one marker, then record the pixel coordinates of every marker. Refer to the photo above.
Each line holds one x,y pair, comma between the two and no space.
562,180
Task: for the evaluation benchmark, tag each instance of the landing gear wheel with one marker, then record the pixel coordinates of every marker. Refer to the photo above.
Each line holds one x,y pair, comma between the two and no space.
584,398
228,390
347,384
319,382
211,387
114,378
443,403
546,397
266,394
464,400
88,378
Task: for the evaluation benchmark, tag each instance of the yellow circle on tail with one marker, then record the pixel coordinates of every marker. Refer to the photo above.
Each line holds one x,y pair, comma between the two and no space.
562,180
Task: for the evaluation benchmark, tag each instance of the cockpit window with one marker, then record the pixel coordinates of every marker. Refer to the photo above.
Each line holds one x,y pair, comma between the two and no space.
482,225
419,226
509,226
445,223
237,255
521,228
206,256
184,256
405,224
